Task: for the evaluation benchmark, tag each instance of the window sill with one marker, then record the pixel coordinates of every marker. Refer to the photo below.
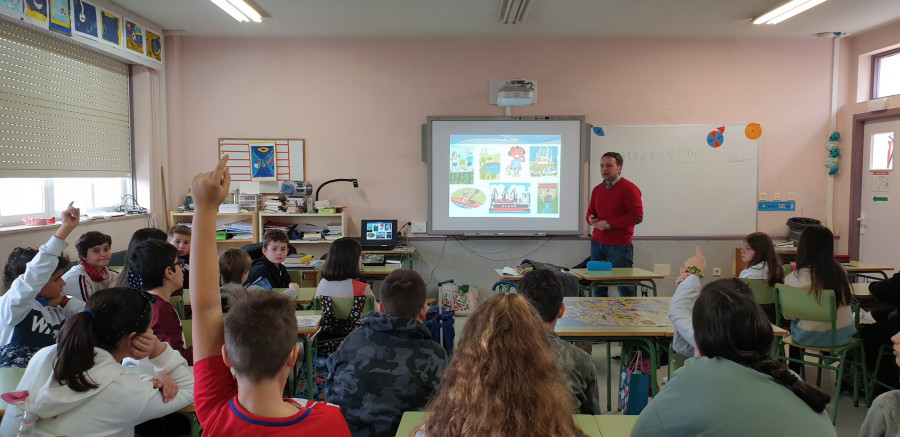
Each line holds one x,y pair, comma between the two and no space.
15,229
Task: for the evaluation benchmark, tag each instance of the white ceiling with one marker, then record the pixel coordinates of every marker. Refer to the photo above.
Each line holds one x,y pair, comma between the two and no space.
546,18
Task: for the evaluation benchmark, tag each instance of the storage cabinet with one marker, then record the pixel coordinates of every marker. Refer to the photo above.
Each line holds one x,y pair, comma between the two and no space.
176,217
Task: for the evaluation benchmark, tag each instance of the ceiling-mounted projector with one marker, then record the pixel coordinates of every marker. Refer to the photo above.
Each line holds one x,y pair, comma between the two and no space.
516,92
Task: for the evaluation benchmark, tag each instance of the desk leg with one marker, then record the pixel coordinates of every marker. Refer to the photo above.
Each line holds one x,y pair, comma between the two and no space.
608,376
310,376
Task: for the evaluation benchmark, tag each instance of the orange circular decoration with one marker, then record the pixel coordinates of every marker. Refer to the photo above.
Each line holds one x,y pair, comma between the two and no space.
753,131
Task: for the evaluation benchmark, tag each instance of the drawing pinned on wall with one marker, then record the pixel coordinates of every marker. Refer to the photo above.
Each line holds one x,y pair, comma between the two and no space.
468,197
60,19
461,169
544,161
111,28
154,45
13,5
84,15
510,198
134,37
489,164
548,199
716,138
36,12
516,158
262,158
753,131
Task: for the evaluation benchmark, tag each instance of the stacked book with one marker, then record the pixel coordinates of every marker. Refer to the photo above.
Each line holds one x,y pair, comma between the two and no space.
242,230
274,203
334,231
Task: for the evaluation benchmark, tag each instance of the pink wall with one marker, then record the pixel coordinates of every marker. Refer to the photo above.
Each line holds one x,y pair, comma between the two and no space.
359,103
854,92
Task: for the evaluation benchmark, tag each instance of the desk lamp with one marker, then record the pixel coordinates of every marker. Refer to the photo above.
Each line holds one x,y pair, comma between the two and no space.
354,181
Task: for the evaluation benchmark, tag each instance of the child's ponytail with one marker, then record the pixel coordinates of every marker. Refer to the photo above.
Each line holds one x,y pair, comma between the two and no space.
75,352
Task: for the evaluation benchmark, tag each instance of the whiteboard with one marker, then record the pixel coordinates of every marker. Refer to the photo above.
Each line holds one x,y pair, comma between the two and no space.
689,187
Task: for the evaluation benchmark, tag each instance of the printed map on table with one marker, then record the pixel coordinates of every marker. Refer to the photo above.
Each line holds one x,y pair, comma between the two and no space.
641,311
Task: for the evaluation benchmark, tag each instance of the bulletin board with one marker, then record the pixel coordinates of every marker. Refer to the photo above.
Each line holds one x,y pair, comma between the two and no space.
261,165
695,180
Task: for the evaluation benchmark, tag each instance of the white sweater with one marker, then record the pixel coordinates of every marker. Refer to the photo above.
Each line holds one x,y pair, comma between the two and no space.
121,401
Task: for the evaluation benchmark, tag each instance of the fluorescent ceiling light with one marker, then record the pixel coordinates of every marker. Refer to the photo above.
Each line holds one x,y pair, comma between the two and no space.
786,11
239,10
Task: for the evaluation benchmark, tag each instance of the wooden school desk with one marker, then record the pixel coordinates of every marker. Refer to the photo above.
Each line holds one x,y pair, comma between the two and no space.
405,253
412,419
644,279
378,272
641,320
304,333
614,425
866,270
304,297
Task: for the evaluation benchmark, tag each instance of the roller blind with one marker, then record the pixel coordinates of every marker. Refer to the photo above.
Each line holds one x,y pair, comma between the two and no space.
64,110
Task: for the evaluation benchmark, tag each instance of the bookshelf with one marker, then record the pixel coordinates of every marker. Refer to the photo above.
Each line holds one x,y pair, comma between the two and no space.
176,217
301,218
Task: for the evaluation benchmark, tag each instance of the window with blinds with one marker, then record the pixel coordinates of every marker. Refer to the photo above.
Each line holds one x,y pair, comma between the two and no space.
65,122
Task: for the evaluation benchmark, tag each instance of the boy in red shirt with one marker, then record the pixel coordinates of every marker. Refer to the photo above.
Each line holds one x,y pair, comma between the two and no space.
259,342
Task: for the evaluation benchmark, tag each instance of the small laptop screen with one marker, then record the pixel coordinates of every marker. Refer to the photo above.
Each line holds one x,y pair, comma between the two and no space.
379,233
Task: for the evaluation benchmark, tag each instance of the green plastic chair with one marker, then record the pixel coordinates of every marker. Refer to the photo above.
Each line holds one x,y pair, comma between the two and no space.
801,304
787,269
873,380
764,295
342,305
178,303
188,333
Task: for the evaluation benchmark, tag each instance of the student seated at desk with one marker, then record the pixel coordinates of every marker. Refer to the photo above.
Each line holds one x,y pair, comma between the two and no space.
234,268
882,419
159,267
259,342
180,237
269,272
79,387
341,270
544,291
127,278
887,324
390,364
758,251
34,307
502,379
91,273
734,388
816,271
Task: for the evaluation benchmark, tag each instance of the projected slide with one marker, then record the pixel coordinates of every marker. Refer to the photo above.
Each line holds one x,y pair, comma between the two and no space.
504,176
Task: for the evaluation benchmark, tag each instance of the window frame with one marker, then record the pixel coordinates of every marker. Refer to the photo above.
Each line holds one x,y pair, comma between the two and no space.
876,59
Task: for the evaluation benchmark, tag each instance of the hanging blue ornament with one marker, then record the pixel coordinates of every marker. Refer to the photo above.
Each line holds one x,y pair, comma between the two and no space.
835,136
834,153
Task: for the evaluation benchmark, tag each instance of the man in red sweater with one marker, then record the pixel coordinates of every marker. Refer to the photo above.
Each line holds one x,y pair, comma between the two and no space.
614,209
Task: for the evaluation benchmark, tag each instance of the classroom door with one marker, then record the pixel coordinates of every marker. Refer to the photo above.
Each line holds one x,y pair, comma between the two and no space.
880,209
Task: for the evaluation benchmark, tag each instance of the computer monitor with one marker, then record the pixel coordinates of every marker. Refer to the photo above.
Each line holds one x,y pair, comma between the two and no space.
378,234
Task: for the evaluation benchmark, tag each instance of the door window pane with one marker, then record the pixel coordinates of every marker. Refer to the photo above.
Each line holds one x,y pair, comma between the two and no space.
882,153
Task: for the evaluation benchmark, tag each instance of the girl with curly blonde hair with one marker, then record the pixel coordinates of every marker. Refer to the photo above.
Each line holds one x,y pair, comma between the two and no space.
502,379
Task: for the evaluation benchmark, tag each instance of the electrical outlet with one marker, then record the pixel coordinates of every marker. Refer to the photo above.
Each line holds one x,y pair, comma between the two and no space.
717,271
419,228
791,196
776,196
763,197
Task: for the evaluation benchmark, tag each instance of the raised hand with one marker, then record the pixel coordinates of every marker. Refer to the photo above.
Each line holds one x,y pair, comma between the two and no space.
70,219
209,189
698,260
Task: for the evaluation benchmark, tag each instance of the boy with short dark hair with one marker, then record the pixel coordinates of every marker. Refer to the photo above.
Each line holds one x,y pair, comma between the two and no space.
234,268
259,343
390,364
180,237
91,274
544,290
268,271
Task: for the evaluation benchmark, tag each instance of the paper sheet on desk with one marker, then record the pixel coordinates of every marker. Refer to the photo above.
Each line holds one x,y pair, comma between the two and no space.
308,321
